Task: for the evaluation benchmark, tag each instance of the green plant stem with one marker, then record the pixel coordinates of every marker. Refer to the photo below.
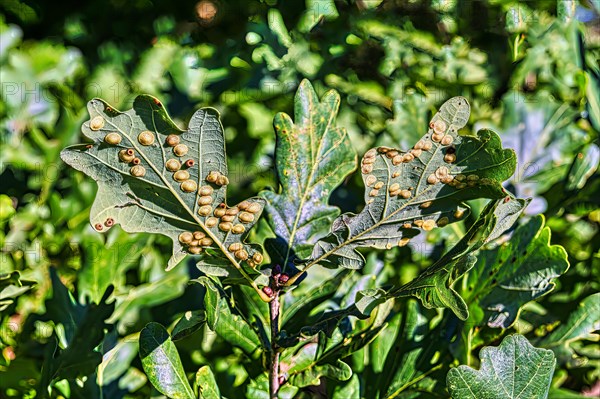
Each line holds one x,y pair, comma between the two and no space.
274,363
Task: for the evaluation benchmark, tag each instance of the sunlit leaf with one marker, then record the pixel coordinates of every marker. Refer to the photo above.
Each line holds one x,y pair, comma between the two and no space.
582,323
513,370
206,385
162,363
434,286
154,177
420,189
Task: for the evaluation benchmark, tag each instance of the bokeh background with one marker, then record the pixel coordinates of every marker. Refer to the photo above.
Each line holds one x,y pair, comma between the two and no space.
529,68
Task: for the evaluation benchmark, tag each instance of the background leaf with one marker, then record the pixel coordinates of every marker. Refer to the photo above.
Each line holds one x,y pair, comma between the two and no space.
513,370
206,385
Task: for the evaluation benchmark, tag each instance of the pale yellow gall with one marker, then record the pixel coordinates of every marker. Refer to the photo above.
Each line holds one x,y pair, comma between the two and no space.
443,221
236,246
186,237
204,210
126,156
206,242
447,140
146,138
194,250
211,222
428,225
257,257
225,226
403,241
180,150
181,175
238,228
113,138
205,200
370,180
173,165
172,140
205,190
241,254
246,217
189,186
97,123
254,207
138,171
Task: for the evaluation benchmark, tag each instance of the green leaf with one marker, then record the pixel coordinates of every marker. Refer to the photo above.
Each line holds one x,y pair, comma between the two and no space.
116,361
231,327
583,167
337,370
11,287
516,272
434,285
212,301
408,360
189,323
104,265
258,388
313,157
149,196
582,323
305,303
162,364
74,351
206,385
350,390
513,370
418,189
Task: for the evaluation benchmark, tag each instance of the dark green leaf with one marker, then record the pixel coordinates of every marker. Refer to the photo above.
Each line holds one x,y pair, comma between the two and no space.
162,364
338,370
513,370
233,328
582,323
189,323
83,329
518,271
434,286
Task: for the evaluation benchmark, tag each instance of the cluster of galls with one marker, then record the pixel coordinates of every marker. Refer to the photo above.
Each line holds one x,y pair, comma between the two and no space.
277,280
195,242
228,219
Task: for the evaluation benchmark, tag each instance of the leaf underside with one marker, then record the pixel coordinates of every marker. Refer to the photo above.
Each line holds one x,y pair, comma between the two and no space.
419,189
513,370
143,195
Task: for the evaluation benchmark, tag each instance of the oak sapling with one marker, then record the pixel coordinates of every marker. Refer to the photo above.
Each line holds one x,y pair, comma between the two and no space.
154,177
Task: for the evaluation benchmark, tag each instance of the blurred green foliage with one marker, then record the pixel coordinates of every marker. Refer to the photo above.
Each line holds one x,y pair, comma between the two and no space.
529,69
